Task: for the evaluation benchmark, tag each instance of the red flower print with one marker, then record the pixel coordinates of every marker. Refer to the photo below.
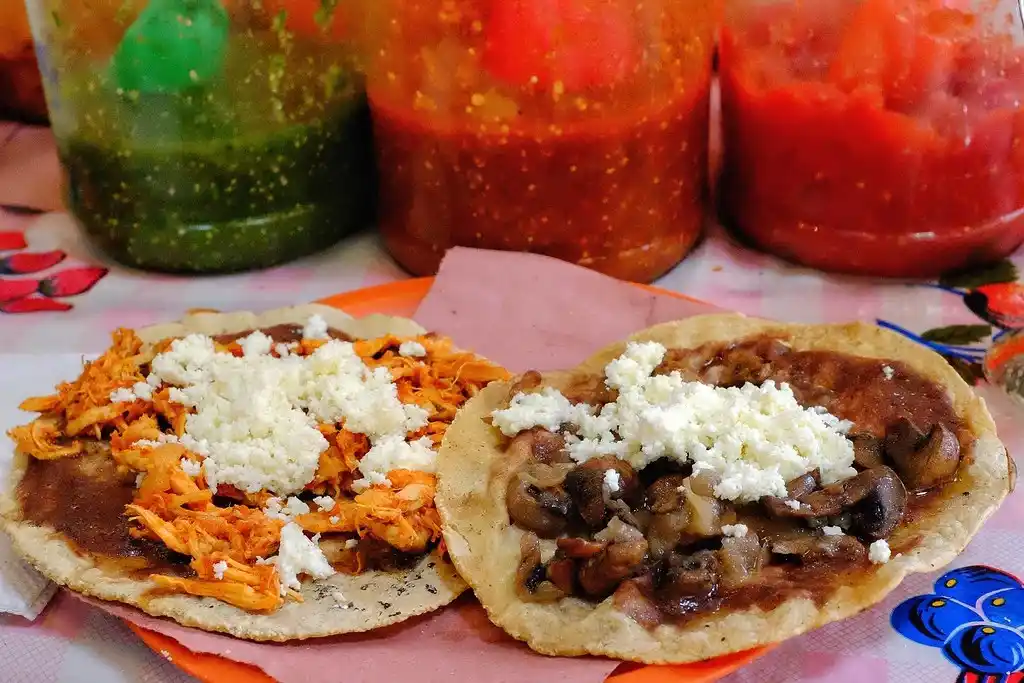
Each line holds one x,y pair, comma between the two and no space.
34,304
23,264
1001,304
43,292
971,677
12,241
71,281
16,289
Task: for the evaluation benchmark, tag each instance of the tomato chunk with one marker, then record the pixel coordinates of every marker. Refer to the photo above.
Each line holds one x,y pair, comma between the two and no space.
578,42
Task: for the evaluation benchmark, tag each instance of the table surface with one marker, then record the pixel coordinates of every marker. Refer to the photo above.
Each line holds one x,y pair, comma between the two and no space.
72,642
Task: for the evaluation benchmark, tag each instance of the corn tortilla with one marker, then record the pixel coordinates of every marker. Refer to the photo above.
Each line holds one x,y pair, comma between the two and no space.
336,605
473,474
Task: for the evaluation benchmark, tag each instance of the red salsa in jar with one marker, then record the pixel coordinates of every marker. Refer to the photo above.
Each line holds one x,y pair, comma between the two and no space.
876,136
499,125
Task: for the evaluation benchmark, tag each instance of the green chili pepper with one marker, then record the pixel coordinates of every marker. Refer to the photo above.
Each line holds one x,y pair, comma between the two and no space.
172,46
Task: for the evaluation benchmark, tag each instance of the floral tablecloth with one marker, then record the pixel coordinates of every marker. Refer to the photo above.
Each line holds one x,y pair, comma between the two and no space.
59,297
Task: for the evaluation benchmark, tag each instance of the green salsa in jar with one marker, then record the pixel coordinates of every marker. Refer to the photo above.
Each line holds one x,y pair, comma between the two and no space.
265,158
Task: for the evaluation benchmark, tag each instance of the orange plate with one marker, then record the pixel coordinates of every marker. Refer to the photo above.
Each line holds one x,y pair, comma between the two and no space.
402,298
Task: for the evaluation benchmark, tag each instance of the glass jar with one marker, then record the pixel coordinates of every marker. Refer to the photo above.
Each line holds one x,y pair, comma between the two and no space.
207,136
21,92
874,136
572,128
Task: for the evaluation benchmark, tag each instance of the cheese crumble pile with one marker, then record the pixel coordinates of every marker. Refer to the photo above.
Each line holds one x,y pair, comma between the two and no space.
255,417
755,438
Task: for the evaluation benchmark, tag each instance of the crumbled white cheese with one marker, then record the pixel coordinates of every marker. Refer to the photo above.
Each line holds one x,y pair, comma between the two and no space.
832,530
192,444
137,391
755,438
191,467
299,555
394,453
334,520
283,349
794,504
315,328
612,483
219,568
153,380
161,439
185,362
324,502
256,344
351,543
210,475
735,530
142,391
255,418
879,552
246,422
888,372
547,408
412,349
371,479
285,510
340,386
122,395
634,366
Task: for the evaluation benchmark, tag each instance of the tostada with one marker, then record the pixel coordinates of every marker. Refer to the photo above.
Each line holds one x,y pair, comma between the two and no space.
270,476
714,484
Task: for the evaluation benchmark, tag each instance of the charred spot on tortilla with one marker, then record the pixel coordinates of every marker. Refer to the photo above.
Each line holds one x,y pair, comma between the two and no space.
679,519
117,494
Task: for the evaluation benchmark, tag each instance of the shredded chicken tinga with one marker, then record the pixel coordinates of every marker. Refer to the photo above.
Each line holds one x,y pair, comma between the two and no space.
226,532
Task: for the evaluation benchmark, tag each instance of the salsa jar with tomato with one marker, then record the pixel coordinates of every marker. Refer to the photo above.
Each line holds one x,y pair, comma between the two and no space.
571,128
879,137
21,89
